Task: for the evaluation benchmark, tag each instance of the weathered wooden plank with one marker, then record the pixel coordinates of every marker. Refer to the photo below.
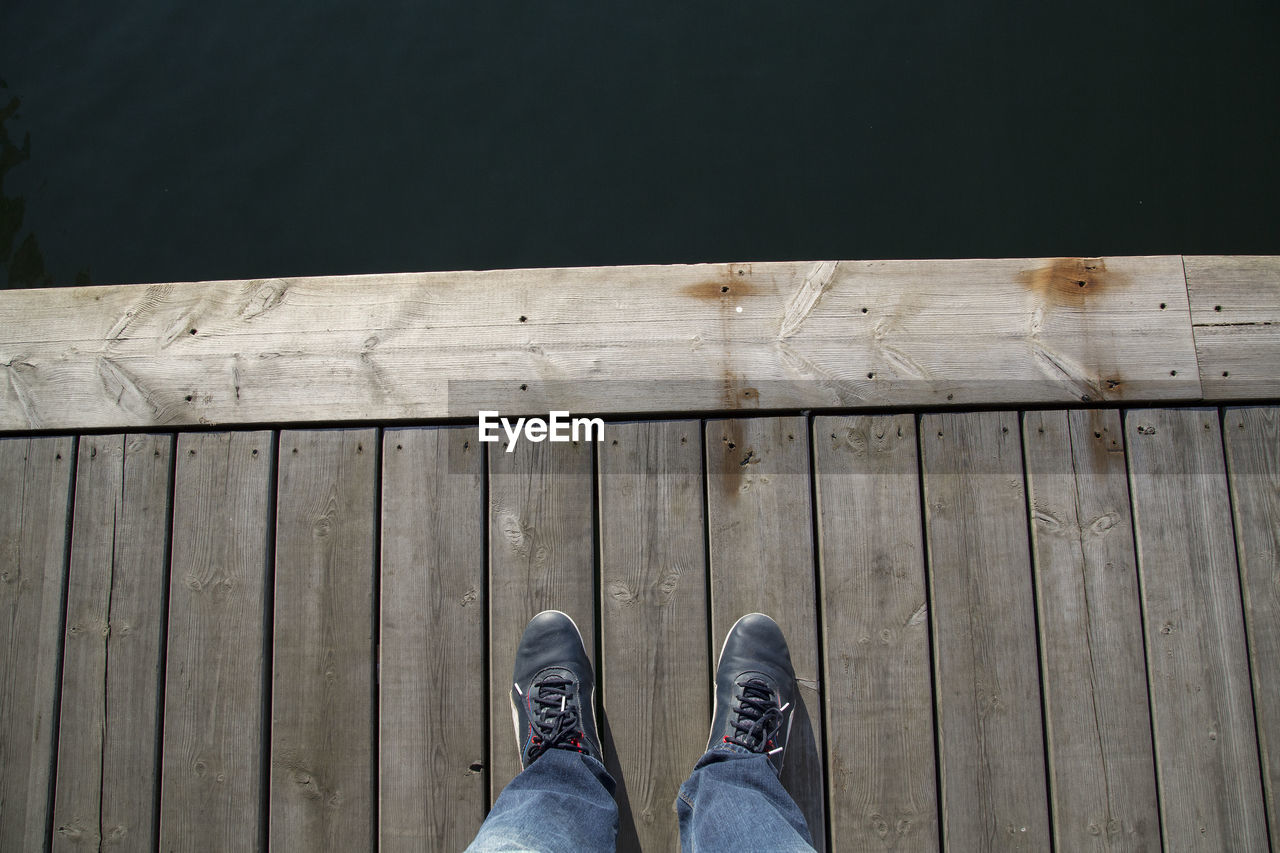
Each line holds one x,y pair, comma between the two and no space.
541,556
1253,461
111,679
883,785
322,761
211,791
1235,315
670,338
1202,711
431,721
761,554
656,668
1095,676
991,742
35,476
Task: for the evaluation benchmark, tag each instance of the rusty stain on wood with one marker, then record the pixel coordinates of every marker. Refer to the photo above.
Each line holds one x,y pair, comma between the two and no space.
733,282
1071,282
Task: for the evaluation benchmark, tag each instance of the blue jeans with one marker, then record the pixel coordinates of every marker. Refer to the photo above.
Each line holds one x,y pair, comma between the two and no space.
564,801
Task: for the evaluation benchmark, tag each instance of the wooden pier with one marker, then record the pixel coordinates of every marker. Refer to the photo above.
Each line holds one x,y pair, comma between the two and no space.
1019,519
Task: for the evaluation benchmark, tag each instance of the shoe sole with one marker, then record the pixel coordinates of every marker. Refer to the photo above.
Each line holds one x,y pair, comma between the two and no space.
515,712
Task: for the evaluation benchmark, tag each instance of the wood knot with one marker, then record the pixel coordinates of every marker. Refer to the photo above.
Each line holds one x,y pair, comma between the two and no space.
622,594
306,782
668,583
1103,523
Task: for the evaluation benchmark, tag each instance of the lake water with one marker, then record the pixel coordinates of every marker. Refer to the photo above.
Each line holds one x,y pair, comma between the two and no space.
161,141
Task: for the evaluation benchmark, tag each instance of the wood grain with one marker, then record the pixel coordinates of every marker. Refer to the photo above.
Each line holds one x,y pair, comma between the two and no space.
879,702
1101,766
656,668
111,671
541,553
1202,710
35,477
1253,462
322,736
1235,315
990,736
211,792
431,723
761,549
704,337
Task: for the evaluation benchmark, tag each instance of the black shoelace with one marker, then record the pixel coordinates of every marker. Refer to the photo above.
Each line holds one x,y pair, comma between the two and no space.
554,718
758,717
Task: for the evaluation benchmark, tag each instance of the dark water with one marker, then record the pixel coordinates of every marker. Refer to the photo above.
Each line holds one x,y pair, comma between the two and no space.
161,141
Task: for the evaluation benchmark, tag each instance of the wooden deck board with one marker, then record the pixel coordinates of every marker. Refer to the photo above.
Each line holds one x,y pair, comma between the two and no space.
1252,437
213,750
35,475
322,736
111,671
657,697
541,557
431,709
1235,317
1202,708
709,337
1097,721
879,699
990,736
935,582
759,527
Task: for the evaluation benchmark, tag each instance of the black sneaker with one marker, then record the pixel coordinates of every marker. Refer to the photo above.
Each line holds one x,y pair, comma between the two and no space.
553,694
755,689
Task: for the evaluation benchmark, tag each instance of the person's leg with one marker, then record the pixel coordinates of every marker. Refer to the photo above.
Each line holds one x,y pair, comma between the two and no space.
733,800
563,797
562,801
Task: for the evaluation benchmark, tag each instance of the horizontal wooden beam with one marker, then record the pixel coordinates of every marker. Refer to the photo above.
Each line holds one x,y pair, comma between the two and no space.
608,340
1235,316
